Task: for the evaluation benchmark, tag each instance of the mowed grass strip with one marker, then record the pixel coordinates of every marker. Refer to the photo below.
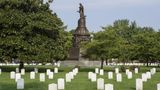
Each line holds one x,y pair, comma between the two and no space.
80,82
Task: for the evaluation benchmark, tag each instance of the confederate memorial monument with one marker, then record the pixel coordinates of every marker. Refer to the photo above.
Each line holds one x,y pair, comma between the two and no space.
79,35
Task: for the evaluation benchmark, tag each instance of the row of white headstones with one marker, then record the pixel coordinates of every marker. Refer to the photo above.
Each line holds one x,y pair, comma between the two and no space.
139,81
20,81
60,81
92,76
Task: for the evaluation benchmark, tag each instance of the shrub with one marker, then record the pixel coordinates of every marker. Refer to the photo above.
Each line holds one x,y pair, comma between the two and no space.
123,68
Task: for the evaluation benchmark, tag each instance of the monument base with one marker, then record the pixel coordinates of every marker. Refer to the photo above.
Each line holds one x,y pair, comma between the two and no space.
81,63
74,53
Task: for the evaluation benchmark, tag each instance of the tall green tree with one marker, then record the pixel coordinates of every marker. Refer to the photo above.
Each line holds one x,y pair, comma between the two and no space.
126,30
104,46
125,41
31,31
156,48
146,42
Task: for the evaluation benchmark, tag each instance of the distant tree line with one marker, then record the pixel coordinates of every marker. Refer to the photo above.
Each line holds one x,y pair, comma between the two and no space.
126,42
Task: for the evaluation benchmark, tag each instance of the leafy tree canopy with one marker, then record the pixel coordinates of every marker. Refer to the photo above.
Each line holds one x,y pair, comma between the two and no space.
30,31
125,41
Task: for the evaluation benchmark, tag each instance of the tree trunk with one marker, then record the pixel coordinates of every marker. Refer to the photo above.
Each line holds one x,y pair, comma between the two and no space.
56,60
102,60
158,63
147,63
21,66
106,62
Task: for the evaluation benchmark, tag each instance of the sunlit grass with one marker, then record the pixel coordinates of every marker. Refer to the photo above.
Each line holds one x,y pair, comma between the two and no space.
80,82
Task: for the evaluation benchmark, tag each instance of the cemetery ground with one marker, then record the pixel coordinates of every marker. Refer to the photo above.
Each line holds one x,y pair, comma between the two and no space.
80,82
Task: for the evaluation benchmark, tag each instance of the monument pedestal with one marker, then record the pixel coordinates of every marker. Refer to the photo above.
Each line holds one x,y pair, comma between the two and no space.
81,63
74,53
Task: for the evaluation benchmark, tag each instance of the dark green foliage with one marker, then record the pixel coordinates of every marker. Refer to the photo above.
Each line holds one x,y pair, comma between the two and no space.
126,42
21,66
122,68
132,68
30,31
31,68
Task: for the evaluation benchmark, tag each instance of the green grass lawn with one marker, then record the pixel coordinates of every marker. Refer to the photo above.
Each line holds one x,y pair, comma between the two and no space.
80,82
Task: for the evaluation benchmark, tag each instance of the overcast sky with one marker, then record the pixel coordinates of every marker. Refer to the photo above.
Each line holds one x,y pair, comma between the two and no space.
105,12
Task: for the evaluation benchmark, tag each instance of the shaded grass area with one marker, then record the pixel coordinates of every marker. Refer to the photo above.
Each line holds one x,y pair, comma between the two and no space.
30,68
43,68
80,82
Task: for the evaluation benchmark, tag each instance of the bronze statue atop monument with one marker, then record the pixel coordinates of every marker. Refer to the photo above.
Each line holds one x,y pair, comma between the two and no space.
81,10
79,35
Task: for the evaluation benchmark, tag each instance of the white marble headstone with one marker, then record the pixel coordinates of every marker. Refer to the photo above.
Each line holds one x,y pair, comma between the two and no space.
55,64
32,75
68,77
22,71
36,70
61,83
58,64
136,70
55,70
139,84
12,75
20,84
72,75
101,72
50,76
90,75
144,77
110,75
75,71
158,86
48,71
96,70
17,70
42,77
100,84
52,86
153,71
108,86
148,75
116,70
119,77
127,71
18,76
129,75
94,77
0,71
